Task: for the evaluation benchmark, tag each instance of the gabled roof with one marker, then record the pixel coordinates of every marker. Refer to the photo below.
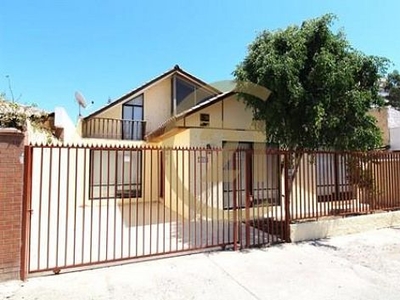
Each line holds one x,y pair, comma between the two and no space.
175,70
170,123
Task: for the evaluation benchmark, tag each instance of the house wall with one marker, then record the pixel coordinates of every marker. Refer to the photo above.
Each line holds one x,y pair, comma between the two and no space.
215,113
236,115
11,192
195,179
229,113
156,106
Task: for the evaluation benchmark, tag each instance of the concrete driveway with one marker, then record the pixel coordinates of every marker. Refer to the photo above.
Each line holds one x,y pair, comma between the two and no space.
361,266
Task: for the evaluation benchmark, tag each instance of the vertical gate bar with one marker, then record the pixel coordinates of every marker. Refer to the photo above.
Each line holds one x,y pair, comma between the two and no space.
388,198
359,163
170,197
183,196
151,150
247,195
75,204
381,175
177,152
137,154
165,152
49,207
389,181
206,206
301,179
373,169
161,196
239,188
218,177
117,171
26,213
256,189
67,208
58,203
336,187
235,221
263,174
201,198
392,174
225,215
195,181
304,177
160,187
142,182
316,174
287,200
100,202
384,200
324,176
130,203
211,154
190,196
115,183
123,202
395,180
83,197
40,203
296,188
91,158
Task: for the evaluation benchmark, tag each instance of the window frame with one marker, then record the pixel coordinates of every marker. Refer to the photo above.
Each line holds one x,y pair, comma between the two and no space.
97,177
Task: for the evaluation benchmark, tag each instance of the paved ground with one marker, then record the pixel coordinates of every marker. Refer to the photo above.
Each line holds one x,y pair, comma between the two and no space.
362,266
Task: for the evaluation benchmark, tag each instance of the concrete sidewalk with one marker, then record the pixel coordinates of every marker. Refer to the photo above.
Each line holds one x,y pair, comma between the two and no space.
361,266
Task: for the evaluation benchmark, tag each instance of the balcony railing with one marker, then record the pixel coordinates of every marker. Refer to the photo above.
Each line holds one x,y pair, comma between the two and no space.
106,128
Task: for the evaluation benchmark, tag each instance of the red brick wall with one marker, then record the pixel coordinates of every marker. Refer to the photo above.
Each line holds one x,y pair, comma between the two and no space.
11,188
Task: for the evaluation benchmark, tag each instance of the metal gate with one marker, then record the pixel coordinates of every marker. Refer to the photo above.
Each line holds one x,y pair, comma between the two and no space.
88,205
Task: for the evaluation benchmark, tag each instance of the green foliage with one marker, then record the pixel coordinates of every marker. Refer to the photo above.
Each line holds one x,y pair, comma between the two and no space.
391,87
321,88
15,115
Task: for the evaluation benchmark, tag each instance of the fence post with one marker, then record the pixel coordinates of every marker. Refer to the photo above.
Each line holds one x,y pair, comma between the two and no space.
235,207
248,188
26,212
288,182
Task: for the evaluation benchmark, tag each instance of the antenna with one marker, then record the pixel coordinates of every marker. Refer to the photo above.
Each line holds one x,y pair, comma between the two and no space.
80,100
9,86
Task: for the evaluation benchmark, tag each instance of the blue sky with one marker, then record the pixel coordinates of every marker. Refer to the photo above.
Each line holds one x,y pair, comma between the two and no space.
50,49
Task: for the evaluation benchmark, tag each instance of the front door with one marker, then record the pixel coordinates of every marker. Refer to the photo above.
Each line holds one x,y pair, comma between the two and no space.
237,157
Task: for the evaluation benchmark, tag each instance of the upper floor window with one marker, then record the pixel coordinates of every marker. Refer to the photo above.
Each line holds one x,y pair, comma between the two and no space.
187,94
132,115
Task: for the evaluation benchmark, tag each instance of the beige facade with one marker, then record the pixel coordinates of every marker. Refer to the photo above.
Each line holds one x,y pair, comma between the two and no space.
216,122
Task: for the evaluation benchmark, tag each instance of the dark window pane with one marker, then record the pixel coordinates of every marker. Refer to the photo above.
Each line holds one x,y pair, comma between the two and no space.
184,92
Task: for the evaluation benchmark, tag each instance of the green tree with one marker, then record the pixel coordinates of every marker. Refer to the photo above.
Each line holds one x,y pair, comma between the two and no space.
391,87
321,88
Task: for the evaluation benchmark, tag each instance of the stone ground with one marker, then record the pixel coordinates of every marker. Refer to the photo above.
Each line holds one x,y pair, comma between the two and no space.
359,266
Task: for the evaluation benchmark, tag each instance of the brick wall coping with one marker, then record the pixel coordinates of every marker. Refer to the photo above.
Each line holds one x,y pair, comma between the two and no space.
10,131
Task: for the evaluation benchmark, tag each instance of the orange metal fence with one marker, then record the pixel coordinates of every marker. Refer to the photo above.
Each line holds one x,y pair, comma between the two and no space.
87,205
92,205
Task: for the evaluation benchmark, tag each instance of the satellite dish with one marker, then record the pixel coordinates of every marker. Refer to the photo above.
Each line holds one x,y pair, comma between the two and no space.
80,100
